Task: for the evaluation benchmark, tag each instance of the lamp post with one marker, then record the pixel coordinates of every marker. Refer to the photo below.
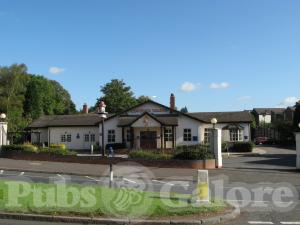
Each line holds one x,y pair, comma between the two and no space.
214,121
103,115
2,129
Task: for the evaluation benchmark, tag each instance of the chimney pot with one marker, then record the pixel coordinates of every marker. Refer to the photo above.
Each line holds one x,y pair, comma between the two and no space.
85,109
172,102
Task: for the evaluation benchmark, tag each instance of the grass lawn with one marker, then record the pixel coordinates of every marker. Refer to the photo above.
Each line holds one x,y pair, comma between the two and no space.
73,199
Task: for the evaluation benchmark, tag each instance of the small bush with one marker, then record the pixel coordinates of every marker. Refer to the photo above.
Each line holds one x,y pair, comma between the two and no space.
58,146
27,147
242,147
194,154
141,154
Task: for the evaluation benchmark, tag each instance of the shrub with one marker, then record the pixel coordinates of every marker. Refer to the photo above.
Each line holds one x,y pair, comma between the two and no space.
58,146
242,147
225,147
141,154
27,147
194,154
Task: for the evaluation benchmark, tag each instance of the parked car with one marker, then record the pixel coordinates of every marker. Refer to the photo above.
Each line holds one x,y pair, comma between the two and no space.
261,140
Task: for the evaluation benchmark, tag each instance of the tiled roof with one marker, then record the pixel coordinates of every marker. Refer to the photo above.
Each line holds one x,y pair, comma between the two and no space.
269,110
66,120
223,117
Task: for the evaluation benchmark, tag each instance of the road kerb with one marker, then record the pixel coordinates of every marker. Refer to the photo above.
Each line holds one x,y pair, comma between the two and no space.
117,221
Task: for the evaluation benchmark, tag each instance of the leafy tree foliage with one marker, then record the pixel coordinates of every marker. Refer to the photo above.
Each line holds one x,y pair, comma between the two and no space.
184,110
142,99
297,116
24,97
118,96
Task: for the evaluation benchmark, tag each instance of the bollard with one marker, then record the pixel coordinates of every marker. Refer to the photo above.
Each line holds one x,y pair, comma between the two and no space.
92,149
111,175
202,187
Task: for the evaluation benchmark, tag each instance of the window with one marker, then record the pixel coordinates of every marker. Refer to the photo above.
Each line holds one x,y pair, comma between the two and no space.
187,134
236,135
168,135
63,138
128,135
69,137
86,138
93,138
207,135
111,137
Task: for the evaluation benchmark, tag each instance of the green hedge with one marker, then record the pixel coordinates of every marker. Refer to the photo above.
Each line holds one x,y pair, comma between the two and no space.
242,147
35,149
150,155
194,152
58,146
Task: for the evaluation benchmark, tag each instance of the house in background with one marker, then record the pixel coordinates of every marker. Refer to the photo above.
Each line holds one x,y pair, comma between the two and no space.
268,115
149,125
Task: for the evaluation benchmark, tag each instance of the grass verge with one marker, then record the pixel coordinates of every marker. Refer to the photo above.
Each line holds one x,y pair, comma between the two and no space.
83,200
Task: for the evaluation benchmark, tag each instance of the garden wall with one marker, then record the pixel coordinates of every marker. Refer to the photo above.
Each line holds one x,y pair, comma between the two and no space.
191,164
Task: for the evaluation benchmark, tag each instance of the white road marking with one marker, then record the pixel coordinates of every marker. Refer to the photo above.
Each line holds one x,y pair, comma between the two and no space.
290,223
130,181
259,222
183,183
21,174
61,176
1,171
92,178
35,164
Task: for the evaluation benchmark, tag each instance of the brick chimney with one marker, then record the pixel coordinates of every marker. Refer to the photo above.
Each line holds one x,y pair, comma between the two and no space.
85,109
172,102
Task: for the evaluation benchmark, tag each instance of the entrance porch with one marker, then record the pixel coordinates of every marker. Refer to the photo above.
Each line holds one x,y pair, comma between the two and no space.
149,132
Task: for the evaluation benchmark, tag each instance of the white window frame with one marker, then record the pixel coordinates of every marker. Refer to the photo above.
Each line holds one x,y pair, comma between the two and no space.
69,138
86,138
93,138
236,135
187,134
63,138
168,134
111,136
207,135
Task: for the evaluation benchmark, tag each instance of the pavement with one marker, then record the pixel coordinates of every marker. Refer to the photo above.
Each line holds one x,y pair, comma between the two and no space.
241,175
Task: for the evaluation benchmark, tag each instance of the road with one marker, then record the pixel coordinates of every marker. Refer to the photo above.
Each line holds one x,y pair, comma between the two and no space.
245,173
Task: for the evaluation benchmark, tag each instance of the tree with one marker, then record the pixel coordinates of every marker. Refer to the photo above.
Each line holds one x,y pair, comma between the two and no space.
24,97
143,99
117,96
296,120
184,110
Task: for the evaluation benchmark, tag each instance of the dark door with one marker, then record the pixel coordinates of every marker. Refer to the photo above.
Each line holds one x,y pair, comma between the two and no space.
148,140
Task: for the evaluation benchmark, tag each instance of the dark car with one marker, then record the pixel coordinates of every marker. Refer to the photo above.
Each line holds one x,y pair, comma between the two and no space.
261,140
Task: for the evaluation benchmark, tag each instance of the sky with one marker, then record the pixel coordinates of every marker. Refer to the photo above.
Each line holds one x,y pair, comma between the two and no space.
214,55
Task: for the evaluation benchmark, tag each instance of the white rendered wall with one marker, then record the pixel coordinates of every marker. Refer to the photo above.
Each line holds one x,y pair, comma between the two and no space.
76,143
187,123
43,132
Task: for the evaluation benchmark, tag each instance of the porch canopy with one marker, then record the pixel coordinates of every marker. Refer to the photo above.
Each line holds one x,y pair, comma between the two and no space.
147,121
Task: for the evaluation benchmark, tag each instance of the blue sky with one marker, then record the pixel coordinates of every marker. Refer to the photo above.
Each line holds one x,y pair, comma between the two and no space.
213,55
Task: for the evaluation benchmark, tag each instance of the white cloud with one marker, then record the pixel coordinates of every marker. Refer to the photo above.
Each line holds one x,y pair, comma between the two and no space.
289,101
189,87
153,96
244,98
56,70
222,85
